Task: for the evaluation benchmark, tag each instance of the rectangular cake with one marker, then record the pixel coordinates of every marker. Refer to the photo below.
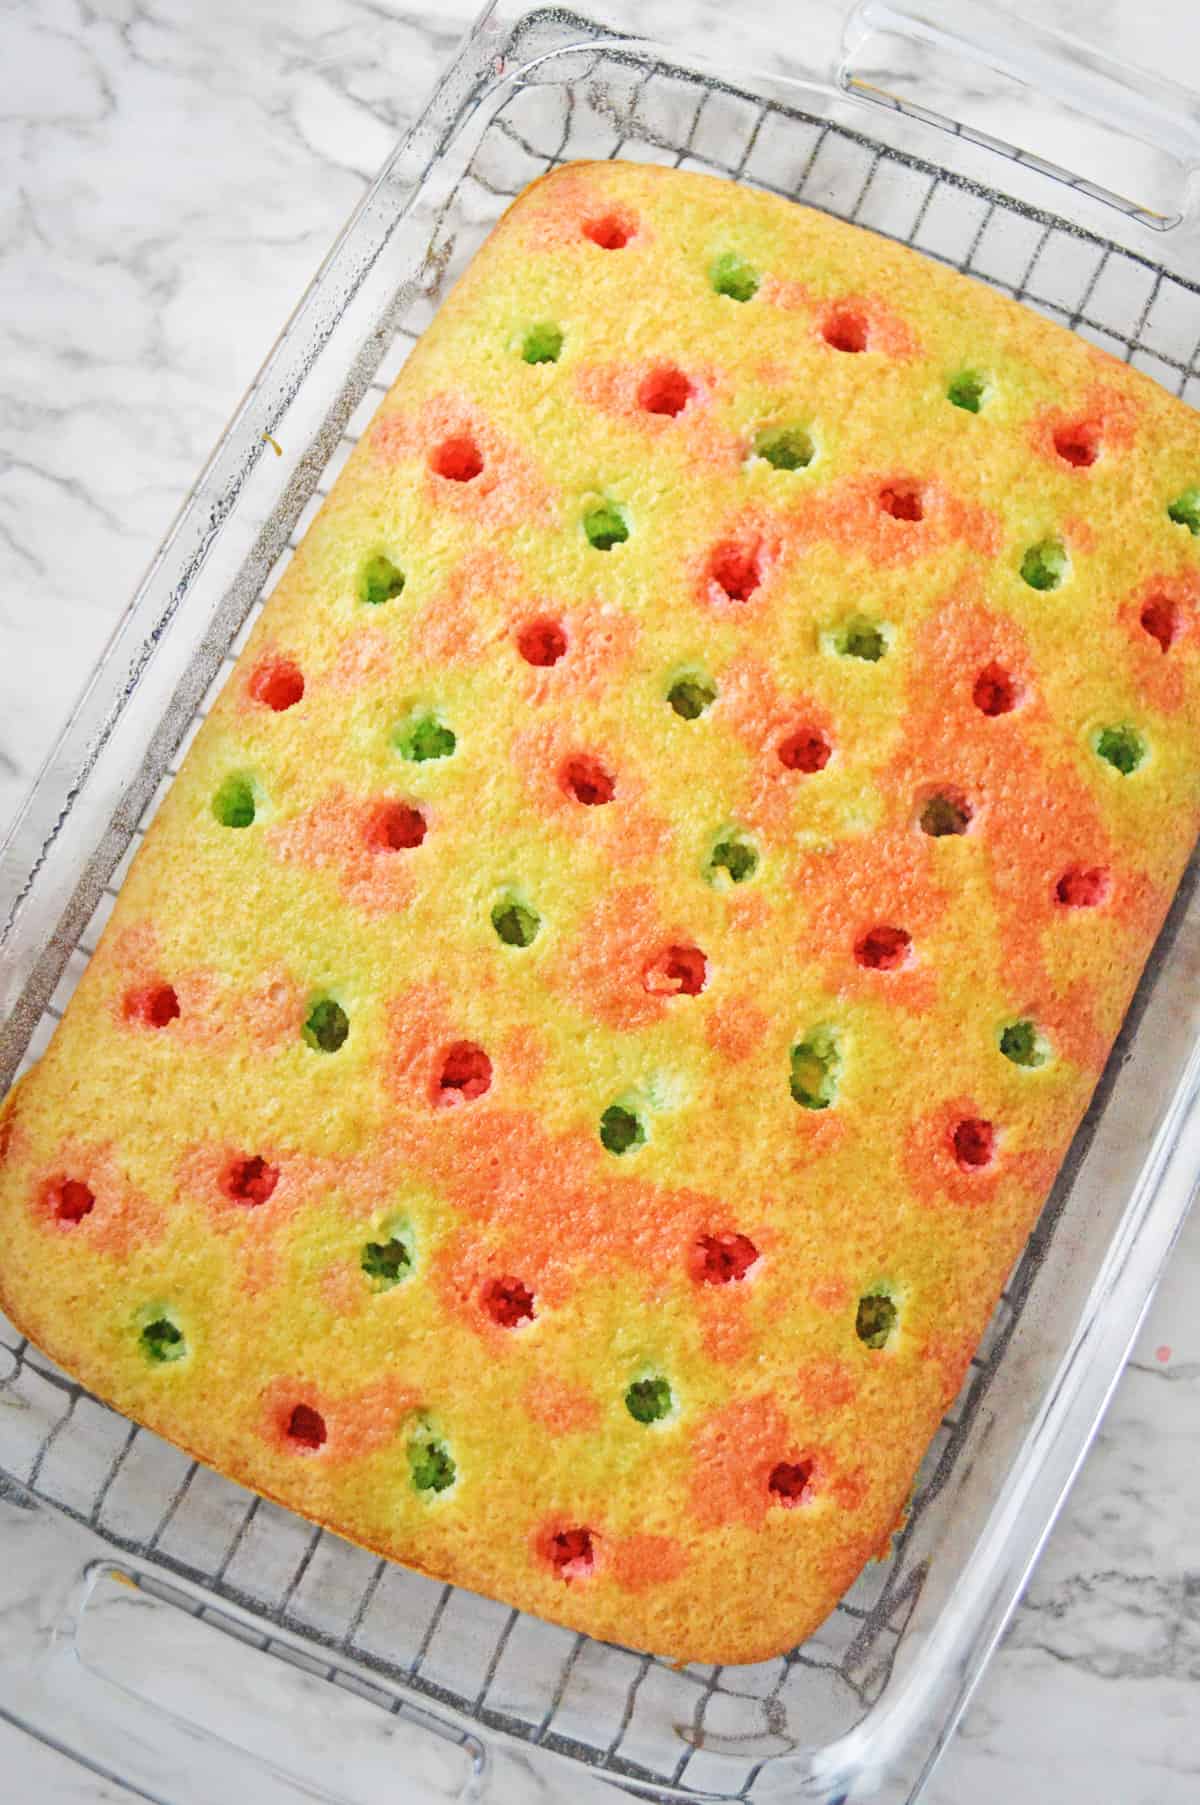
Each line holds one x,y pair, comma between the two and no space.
604,1001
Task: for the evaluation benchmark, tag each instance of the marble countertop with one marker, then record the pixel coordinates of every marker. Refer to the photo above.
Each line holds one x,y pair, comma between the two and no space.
175,174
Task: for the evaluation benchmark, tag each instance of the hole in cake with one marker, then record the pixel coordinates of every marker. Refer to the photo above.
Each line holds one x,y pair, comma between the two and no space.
459,459
789,1481
605,526
327,1026
153,1005
723,1259
381,581
162,1341
735,569
733,860
945,812
690,697
1121,747
902,501
70,1200
1078,445
394,827
516,924
649,1400
585,780
967,390
805,750
995,691
306,1427
1160,620
508,1302
430,1464
861,638
845,330
815,1063
875,1319
466,1073
883,948
1083,887
542,642
1185,511
1044,566
785,448
572,1553
424,737
249,1180
278,684
974,1144
621,1129
732,276
234,804
542,344
666,391
1021,1044
611,231
387,1262
676,971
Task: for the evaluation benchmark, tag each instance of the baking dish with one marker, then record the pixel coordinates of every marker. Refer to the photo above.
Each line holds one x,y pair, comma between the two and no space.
186,1638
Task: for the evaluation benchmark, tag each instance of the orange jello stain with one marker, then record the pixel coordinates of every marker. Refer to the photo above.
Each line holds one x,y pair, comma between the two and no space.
562,1408
734,1453
849,324
825,1385
956,1154
1160,621
272,1011
355,839
597,645
736,1028
789,738
640,1562
603,969
1102,425
449,437
668,404
623,827
342,1289
854,516
453,626
86,1192
950,1356
830,1291
868,905
366,659
299,1418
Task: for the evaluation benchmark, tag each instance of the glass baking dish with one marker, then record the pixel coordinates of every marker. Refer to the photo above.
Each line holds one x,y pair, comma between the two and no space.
178,1634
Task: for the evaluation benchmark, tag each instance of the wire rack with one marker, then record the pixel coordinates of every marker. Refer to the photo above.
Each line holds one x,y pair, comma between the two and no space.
631,1716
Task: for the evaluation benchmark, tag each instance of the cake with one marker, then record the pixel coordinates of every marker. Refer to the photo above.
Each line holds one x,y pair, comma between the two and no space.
596,1016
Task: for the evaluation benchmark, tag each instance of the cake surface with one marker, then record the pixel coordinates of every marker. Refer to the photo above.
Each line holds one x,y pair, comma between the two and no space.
597,1014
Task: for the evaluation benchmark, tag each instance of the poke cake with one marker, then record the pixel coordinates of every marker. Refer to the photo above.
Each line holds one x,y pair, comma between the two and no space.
594,1020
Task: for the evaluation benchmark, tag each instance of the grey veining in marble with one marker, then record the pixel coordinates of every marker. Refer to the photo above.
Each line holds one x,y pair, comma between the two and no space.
174,172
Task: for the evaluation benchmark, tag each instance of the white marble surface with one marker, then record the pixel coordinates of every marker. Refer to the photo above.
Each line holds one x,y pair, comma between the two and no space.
174,172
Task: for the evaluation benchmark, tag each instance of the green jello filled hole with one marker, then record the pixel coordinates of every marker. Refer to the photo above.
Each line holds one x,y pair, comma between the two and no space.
814,1073
1121,747
1185,511
861,639
732,861
1044,566
234,804
621,1129
875,1321
605,526
424,737
516,924
690,697
967,390
731,275
381,581
162,1341
1022,1045
327,1026
542,345
387,1262
649,1400
430,1464
785,448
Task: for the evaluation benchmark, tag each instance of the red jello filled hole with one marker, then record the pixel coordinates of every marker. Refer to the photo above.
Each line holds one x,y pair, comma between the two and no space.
995,691
735,569
806,750
1159,619
250,1181
1078,445
508,1302
153,1005
1082,887
306,1427
883,948
665,392
723,1259
585,780
395,827
902,501
465,1073
845,330
611,231
542,642
790,1480
974,1144
459,459
676,971
71,1200
572,1553
278,684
